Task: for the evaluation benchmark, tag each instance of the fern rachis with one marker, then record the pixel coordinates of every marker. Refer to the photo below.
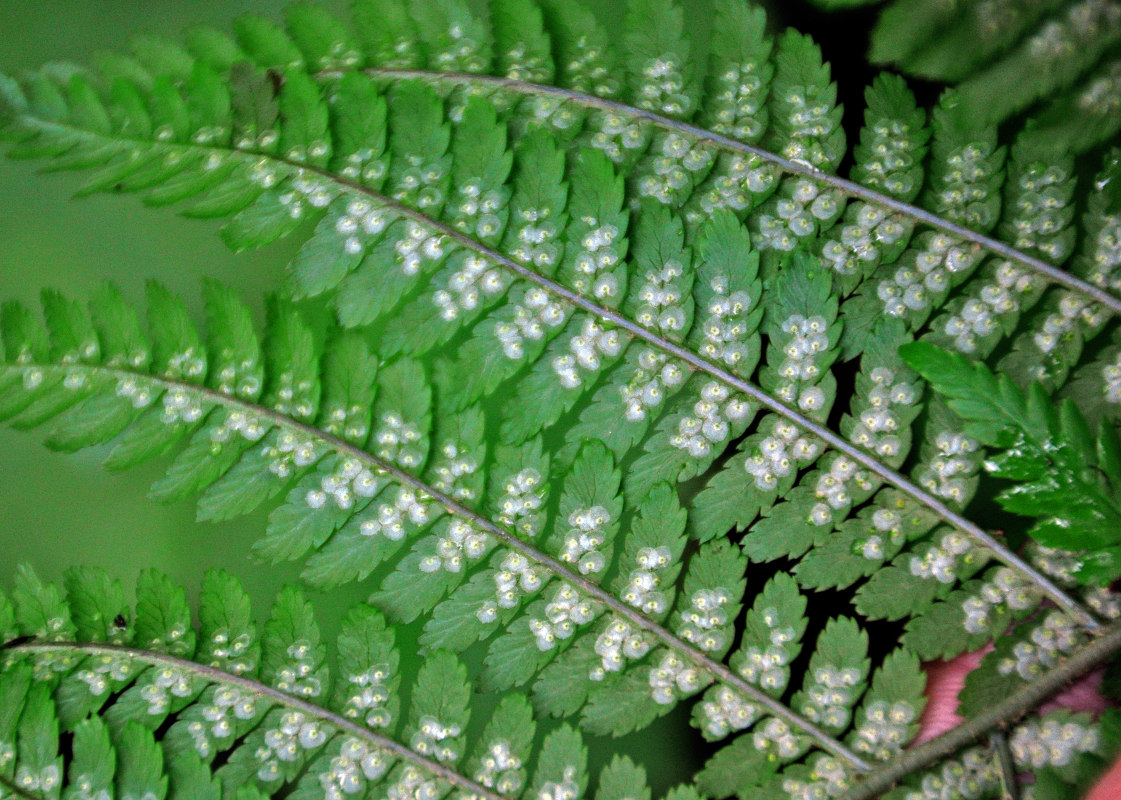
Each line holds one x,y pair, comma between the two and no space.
598,302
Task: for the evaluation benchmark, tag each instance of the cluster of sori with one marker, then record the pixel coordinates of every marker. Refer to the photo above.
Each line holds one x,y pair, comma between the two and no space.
704,621
291,452
725,710
390,518
461,542
475,281
432,738
672,166
795,214
347,773
293,734
1003,590
1056,636
216,722
515,575
500,769
370,697
532,317
647,389
941,561
565,611
587,532
522,497
671,675
830,696
783,450
827,778
710,421
619,642
858,246
947,474
349,479
884,728
297,675
399,441
588,347
1052,742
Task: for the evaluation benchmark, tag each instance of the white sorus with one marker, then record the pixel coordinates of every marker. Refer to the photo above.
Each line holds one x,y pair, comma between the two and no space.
732,185
740,92
522,497
947,473
646,389
795,214
1102,601
663,87
475,211
724,328
671,675
833,488
940,562
532,317
1057,636
476,280
362,165
347,773
455,465
779,454
239,379
180,405
884,729
32,378
619,641
1004,589
416,248
248,426
564,789
415,784
187,364
418,184
1111,380
101,672
586,533
225,651
399,441
775,737
286,742
830,695
596,261
642,590
669,169
166,682
564,613
500,768
891,154
533,237
970,776
979,315
460,543
389,519
703,622
44,780
938,258
876,424
587,349
765,665
857,246
618,134
709,423
660,298
138,392
810,124
296,675
368,697
289,452
888,526
725,710
514,575
216,723
1051,743
348,480
828,778
348,423
431,738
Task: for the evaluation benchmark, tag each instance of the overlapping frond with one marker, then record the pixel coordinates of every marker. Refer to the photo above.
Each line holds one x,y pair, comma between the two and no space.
596,355
100,699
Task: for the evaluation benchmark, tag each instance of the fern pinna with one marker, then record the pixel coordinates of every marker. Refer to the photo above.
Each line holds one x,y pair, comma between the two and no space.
594,308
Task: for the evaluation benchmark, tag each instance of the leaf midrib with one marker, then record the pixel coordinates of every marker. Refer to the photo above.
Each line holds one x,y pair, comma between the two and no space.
215,675
721,672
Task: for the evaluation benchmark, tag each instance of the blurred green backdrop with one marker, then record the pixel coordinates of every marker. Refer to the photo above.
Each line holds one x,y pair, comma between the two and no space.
57,511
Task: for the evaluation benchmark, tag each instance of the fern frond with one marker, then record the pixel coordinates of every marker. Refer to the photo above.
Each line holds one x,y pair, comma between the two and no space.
1008,57
515,269
156,705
